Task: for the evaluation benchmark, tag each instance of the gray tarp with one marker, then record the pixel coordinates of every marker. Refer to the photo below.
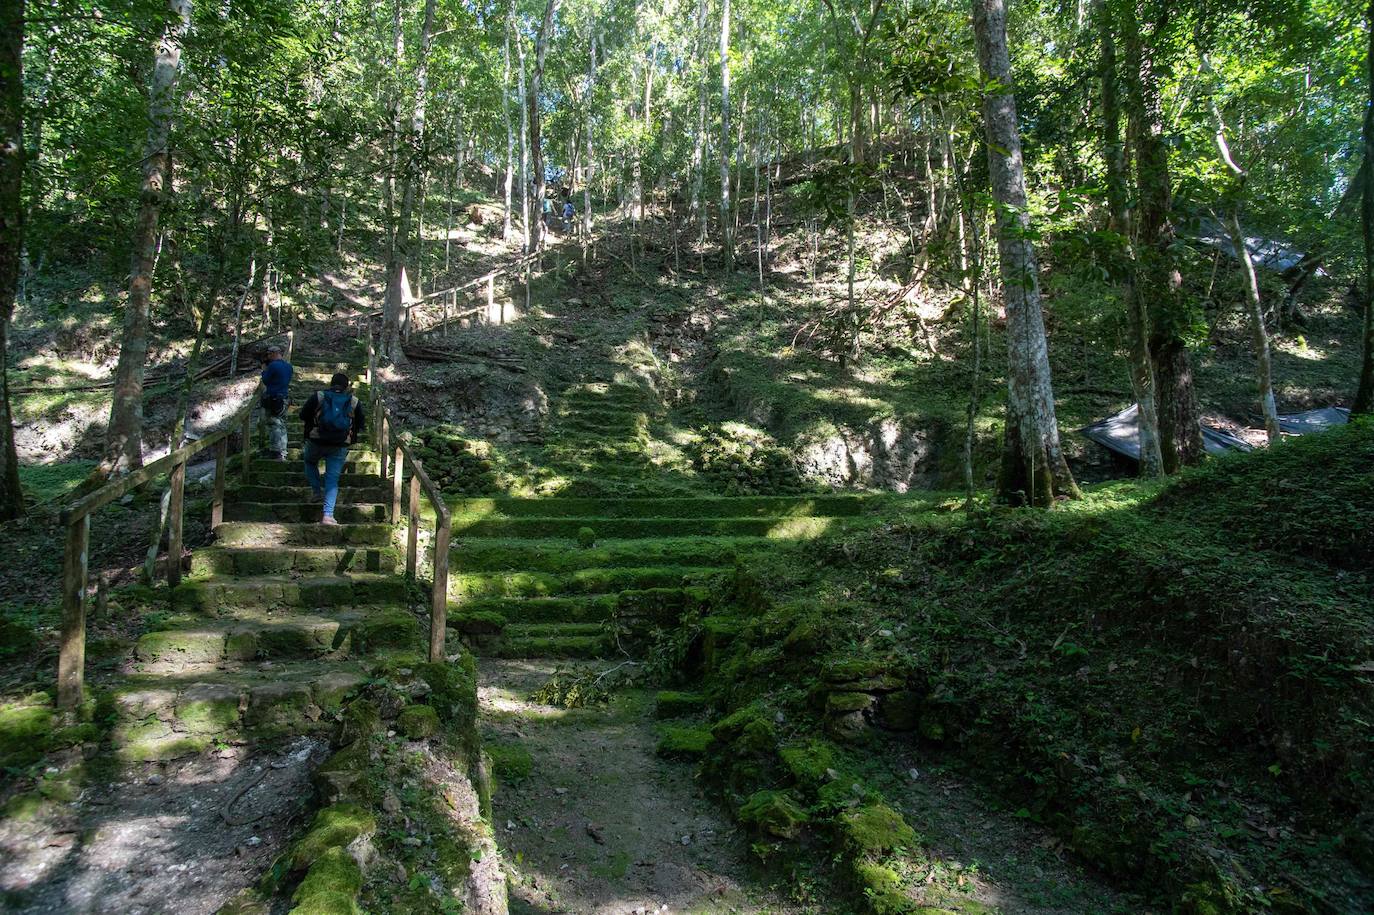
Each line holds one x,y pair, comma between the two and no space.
1121,433
1265,252
1313,420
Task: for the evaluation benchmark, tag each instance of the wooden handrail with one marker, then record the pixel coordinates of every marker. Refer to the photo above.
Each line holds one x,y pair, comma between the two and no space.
489,275
76,519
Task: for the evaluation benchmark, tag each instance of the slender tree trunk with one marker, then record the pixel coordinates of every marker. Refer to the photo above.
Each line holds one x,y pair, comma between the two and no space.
525,232
587,138
1033,464
698,204
11,232
727,226
1180,429
394,300
541,47
1364,395
510,131
124,436
1137,313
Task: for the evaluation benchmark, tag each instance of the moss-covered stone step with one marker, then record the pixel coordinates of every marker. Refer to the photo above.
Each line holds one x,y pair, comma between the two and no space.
163,717
289,512
242,635
301,493
663,605
495,555
291,473
357,461
301,560
289,591
796,528
706,507
464,586
542,642
257,534
295,435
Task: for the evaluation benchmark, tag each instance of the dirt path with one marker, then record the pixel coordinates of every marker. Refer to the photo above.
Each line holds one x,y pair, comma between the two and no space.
155,842
601,826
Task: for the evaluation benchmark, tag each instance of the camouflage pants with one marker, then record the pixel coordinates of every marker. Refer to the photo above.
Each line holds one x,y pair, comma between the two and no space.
274,432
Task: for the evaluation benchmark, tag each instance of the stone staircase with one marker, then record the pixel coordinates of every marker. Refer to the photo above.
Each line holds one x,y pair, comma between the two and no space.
278,619
578,577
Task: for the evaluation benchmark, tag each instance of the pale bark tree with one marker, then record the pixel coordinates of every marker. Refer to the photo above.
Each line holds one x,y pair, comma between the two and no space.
510,131
11,232
1364,395
697,208
1033,466
1137,313
1259,335
411,162
541,47
124,435
1180,428
524,146
587,137
727,224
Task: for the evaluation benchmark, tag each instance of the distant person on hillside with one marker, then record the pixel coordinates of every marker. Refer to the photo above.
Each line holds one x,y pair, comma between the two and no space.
569,216
276,384
333,420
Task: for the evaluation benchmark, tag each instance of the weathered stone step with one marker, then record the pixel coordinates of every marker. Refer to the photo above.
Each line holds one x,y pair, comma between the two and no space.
466,586
518,644
282,560
288,591
495,555
703,507
617,426
795,528
291,473
289,512
162,717
301,493
239,635
247,533
357,461
664,604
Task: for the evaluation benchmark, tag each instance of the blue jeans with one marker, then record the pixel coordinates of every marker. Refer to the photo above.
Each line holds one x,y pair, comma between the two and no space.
333,457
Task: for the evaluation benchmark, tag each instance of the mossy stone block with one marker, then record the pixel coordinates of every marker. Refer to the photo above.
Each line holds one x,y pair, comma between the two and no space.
684,743
510,762
361,720
586,538
881,887
899,711
335,871
181,647
280,708
206,708
417,722
335,826
876,829
773,813
332,689
479,622
327,904
343,776
672,704
811,764
391,629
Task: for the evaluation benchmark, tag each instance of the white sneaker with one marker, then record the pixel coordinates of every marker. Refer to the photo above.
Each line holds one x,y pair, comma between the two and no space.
328,520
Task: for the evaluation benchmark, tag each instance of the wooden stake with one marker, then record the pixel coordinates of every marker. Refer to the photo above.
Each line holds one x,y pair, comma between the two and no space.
71,659
438,604
217,500
413,533
175,505
397,466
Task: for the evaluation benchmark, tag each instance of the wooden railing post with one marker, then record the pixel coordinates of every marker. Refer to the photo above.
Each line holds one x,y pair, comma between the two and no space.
217,500
246,452
71,659
438,598
371,356
397,465
413,532
175,503
445,299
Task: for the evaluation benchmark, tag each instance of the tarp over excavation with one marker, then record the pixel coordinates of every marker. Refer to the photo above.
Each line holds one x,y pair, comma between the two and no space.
1313,420
1265,252
1121,433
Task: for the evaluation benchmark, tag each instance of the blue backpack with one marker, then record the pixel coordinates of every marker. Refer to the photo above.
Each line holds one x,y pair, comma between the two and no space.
334,418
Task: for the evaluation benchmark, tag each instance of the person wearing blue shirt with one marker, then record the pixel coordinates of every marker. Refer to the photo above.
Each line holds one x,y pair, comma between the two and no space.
276,388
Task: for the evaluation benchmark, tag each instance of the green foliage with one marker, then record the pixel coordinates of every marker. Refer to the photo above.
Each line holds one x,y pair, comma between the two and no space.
738,466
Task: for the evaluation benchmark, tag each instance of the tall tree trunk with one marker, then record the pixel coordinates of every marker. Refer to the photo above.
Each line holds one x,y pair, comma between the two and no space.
587,138
1180,429
412,162
11,232
393,300
698,205
727,225
124,436
541,47
1033,464
1137,314
524,147
1364,395
510,131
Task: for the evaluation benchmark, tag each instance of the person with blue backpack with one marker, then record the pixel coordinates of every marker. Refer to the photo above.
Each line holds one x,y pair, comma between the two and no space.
333,420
